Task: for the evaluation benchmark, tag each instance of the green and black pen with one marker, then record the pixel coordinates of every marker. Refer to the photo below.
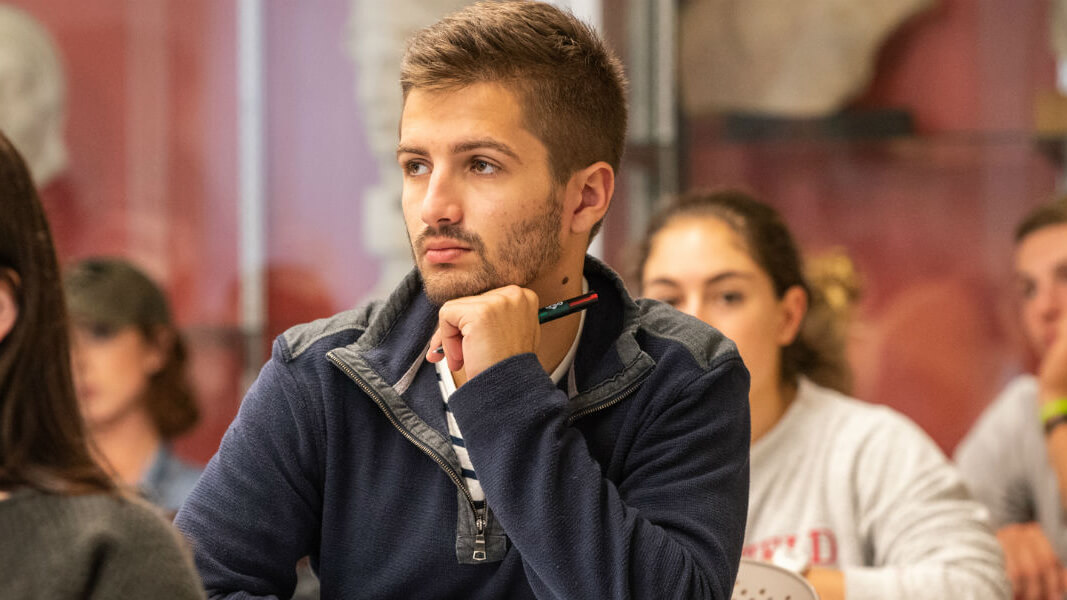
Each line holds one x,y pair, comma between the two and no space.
566,307
558,310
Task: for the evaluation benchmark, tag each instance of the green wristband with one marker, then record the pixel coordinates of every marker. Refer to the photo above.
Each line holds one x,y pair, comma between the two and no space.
1054,422
1053,409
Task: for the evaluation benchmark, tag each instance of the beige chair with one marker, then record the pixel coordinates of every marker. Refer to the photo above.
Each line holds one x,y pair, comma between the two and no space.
757,580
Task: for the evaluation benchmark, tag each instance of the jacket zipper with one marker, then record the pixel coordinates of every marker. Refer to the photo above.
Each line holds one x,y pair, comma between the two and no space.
479,538
479,515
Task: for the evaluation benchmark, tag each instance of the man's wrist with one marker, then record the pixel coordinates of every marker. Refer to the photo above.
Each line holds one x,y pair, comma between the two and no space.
1053,413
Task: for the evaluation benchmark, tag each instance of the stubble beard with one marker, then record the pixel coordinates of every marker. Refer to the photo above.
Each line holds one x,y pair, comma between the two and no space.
526,252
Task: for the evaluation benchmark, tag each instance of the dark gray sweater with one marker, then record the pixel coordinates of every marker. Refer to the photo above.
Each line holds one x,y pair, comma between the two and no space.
90,546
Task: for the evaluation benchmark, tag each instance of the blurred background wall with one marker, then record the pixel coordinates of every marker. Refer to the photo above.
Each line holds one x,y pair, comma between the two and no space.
919,177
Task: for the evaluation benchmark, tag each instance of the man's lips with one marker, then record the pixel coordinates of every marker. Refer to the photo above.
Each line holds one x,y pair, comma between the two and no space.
445,251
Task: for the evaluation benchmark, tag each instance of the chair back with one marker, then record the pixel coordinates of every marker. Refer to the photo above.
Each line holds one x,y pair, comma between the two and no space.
758,580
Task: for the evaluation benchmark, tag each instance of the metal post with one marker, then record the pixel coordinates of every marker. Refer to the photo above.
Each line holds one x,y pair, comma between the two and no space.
252,201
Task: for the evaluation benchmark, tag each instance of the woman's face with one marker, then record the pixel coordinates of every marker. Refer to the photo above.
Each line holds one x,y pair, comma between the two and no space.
112,368
702,267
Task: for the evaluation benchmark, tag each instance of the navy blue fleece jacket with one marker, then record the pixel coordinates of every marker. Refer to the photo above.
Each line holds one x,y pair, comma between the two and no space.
634,486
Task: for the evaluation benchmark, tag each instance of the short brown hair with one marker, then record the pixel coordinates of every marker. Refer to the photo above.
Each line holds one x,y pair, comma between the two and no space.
570,84
1051,213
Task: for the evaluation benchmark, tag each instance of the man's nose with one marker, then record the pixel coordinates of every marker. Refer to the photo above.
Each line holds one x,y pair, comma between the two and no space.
442,204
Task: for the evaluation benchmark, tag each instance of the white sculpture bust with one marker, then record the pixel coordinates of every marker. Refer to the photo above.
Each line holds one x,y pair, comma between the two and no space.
32,94
376,42
793,58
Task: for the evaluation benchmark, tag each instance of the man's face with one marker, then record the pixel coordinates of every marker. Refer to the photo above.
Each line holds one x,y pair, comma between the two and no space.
1041,277
481,208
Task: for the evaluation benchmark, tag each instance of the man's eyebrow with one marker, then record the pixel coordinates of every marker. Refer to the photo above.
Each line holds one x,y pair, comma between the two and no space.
463,147
467,146
401,149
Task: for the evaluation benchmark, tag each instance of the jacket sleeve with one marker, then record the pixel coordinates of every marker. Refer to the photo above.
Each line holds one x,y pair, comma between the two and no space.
672,526
928,538
256,509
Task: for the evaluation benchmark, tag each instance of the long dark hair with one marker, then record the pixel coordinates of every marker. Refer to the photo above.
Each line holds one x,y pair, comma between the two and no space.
42,438
818,351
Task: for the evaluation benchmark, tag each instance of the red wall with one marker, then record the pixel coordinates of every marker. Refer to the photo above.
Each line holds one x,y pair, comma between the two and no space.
152,134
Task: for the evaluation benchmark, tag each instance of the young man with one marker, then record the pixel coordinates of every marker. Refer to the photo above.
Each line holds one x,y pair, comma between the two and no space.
601,455
1015,458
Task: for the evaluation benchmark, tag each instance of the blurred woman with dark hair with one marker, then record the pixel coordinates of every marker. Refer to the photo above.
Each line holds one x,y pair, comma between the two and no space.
130,376
854,496
65,530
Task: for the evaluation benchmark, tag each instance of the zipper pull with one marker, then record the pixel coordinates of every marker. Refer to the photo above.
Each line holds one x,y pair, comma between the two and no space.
479,539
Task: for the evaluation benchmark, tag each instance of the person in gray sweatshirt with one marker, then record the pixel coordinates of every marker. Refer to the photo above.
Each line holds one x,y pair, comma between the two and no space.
854,496
1015,457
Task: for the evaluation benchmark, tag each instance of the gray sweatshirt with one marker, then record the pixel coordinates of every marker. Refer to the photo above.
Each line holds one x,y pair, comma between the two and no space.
860,488
1005,462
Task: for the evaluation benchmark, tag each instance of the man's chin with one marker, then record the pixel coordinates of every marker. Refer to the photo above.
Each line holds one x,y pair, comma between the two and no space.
442,287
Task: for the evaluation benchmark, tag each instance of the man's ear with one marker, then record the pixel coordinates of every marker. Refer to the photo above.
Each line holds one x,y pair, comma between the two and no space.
593,187
792,308
9,306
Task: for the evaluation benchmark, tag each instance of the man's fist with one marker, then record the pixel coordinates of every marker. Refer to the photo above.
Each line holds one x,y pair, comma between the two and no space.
477,332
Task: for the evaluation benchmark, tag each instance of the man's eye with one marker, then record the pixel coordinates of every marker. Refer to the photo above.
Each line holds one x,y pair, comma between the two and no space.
483,167
415,168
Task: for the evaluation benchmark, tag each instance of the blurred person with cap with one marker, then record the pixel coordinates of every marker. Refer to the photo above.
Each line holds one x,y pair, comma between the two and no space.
130,373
